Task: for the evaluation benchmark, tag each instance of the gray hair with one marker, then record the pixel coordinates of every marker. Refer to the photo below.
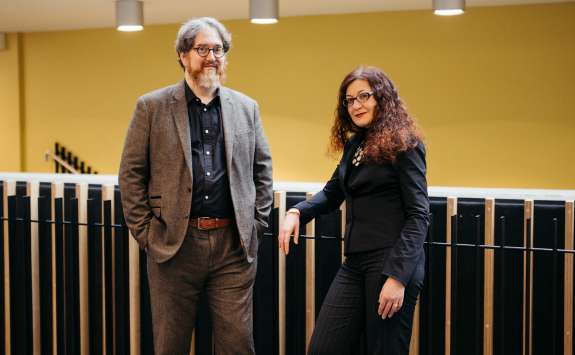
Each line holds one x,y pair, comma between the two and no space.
190,29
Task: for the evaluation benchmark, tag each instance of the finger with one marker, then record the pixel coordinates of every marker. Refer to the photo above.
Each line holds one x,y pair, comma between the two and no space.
380,307
394,310
296,233
286,242
386,309
284,235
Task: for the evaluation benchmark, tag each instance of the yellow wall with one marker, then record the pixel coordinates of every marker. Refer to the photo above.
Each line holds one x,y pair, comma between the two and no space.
494,89
10,157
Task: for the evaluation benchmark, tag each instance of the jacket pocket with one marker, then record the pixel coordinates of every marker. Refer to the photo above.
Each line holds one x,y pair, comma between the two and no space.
155,203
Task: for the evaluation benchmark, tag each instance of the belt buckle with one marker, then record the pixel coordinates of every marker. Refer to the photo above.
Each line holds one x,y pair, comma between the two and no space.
200,223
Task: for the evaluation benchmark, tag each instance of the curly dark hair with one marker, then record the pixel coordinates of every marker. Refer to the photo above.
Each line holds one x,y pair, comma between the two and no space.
392,130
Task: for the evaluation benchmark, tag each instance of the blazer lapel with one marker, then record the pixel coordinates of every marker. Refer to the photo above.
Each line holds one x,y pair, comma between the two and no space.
179,109
228,125
345,164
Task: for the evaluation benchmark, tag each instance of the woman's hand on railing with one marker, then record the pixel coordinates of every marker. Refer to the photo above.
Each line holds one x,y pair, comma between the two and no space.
290,226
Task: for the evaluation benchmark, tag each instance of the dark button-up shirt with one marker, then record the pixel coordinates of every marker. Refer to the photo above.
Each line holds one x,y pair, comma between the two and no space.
211,195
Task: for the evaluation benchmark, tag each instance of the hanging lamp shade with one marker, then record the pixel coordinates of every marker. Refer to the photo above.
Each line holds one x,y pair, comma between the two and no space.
129,15
264,12
448,7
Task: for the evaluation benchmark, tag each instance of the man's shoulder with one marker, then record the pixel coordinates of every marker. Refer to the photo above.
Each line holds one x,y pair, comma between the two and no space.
161,94
237,96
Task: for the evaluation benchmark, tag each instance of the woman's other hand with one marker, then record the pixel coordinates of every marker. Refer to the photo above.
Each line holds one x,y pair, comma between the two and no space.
290,226
390,298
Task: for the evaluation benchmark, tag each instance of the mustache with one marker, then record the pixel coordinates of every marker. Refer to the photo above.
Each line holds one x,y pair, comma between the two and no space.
211,65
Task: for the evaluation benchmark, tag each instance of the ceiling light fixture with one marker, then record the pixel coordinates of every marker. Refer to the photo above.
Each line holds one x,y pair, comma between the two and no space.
448,7
129,15
264,12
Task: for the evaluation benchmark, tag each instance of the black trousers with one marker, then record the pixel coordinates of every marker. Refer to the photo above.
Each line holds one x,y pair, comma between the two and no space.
349,311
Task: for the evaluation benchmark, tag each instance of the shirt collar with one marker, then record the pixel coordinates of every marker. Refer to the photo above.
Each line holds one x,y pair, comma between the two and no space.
192,98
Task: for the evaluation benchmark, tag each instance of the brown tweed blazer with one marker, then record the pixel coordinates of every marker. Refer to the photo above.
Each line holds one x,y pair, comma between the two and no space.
155,174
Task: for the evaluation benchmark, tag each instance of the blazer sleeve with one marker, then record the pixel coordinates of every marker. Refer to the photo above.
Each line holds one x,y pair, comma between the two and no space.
325,201
134,174
406,252
262,174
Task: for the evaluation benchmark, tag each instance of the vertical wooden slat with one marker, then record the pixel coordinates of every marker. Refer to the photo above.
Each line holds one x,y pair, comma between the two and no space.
280,204
451,211
34,192
9,190
414,343
488,271
82,196
309,279
107,195
56,191
134,280
528,268
568,289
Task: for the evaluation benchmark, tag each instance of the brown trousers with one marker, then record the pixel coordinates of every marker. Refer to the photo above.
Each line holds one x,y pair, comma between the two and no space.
212,261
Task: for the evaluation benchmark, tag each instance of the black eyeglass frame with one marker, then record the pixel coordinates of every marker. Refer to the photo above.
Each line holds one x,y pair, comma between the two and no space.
361,98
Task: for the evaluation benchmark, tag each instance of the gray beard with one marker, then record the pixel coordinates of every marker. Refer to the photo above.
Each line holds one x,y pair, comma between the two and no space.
207,81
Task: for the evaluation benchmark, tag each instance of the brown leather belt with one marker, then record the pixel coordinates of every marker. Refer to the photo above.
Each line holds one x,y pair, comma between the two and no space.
207,223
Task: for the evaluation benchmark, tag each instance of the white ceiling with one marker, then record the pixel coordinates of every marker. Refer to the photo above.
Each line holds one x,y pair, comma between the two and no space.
51,15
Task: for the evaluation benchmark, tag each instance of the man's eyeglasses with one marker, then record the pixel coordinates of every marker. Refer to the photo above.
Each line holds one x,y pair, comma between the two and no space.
361,98
204,51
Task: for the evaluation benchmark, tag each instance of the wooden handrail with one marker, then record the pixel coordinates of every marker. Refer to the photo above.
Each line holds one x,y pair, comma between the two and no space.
48,154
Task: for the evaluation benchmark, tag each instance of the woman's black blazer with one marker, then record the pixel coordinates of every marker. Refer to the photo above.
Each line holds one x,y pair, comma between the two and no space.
387,207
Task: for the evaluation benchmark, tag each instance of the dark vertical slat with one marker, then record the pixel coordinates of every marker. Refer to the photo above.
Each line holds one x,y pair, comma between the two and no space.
478,285
454,283
502,284
56,153
71,280
20,275
108,272
265,294
146,331
508,338
122,307
527,321
554,276
3,222
295,288
426,298
548,278
203,330
60,275
45,271
94,272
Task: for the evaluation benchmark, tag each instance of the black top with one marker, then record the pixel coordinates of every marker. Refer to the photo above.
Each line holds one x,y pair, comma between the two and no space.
386,207
211,189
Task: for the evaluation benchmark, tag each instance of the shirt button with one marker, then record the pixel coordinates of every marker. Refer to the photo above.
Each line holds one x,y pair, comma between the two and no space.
205,109
206,131
206,197
208,173
208,152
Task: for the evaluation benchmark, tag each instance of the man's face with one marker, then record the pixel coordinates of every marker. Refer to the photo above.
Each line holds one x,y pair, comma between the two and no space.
207,72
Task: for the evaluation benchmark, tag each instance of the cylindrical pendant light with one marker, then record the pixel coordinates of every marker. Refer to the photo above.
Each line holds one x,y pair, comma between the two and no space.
129,15
448,7
264,12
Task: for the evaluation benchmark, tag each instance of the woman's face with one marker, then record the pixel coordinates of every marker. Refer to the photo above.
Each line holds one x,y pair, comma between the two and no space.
360,103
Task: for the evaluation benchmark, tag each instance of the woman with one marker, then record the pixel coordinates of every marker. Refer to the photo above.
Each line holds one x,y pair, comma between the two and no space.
381,177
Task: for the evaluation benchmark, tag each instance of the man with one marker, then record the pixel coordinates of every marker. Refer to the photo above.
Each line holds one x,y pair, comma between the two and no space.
196,184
